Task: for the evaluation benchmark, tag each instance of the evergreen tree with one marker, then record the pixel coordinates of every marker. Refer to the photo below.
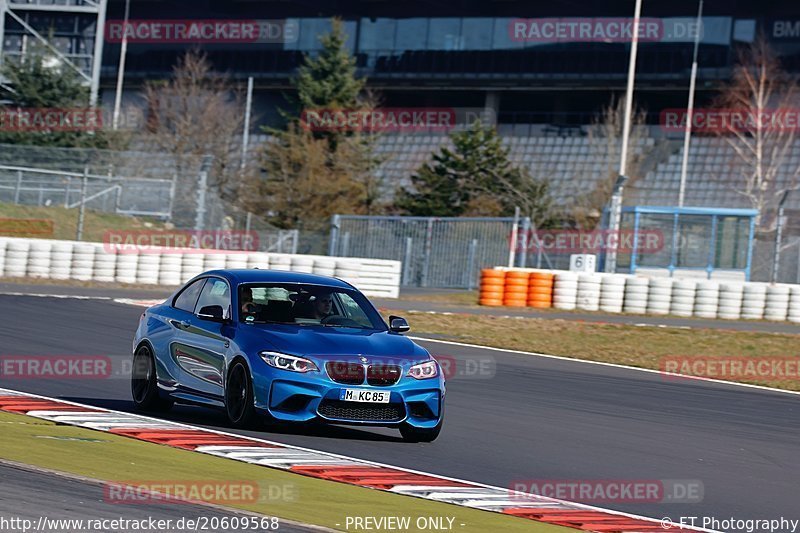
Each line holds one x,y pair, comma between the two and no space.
335,165
329,80
39,82
475,178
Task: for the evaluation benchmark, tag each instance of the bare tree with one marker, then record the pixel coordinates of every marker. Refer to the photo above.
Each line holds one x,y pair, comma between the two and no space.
197,113
605,144
758,101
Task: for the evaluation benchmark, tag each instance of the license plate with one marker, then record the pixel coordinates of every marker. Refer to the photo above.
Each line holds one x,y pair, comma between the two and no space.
369,396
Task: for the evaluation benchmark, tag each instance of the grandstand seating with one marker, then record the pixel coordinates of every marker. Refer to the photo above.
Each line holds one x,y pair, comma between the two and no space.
574,164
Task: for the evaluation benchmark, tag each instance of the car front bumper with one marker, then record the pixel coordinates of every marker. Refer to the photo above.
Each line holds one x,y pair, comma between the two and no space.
292,397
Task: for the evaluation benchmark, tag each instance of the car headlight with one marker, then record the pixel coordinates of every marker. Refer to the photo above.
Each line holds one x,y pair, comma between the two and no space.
291,363
426,370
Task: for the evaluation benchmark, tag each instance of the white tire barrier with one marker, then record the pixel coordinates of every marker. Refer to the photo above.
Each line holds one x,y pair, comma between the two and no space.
258,260
280,262
91,261
794,305
170,269
754,300
683,295
776,306
612,293
105,266
730,300
214,261
348,270
565,291
302,264
659,296
191,265
636,291
83,261
39,259
147,269
588,293
706,301
16,263
127,266
61,260
379,277
325,267
236,260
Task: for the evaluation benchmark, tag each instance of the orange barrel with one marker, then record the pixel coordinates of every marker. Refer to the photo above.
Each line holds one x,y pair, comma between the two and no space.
540,290
492,287
516,288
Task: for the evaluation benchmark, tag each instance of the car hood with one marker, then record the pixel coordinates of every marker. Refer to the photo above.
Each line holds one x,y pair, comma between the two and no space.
330,343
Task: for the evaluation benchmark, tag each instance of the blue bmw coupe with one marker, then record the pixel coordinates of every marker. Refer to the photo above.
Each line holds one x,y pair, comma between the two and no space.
285,347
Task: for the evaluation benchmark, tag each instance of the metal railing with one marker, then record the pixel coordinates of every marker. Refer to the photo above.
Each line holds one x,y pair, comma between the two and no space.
435,252
128,196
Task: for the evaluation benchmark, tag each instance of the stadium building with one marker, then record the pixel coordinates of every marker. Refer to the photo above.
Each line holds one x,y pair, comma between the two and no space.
542,70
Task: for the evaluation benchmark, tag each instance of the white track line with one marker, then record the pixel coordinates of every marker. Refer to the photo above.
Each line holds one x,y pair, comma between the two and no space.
678,377
60,296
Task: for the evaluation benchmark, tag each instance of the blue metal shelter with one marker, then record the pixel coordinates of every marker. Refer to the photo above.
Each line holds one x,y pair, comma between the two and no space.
694,239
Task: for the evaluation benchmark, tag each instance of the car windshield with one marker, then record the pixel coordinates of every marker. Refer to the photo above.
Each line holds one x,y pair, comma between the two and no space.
306,305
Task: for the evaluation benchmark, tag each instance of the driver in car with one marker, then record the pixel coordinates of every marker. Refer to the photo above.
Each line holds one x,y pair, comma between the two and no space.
322,305
247,305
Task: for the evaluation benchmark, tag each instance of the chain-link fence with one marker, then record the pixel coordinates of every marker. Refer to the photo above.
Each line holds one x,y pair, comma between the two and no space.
436,252
764,256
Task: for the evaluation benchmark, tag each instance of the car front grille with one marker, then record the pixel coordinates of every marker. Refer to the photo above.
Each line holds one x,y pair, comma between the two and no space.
383,375
344,372
340,410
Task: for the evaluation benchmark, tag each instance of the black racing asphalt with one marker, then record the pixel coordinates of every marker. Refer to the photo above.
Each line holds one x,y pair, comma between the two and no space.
526,420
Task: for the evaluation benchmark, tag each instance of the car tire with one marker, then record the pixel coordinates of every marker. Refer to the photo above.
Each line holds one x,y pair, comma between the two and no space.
414,434
239,403
144,382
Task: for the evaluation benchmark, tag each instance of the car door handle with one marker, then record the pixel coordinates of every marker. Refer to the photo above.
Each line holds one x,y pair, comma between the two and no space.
180,324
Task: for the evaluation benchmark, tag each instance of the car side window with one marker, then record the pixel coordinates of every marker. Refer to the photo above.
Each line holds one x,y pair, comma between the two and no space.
215,292
188,297
353,311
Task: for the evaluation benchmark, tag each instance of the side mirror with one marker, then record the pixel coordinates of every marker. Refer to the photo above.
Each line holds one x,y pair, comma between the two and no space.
212,313
398,324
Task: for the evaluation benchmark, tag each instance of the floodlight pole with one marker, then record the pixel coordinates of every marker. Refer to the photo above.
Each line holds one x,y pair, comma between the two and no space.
246,127
97,59
616,199
687,135
123,52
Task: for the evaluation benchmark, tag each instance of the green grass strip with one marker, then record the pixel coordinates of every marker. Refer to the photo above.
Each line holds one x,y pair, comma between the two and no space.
312,501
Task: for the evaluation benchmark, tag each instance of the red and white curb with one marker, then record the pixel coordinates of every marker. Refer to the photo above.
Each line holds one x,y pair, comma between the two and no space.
328,466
